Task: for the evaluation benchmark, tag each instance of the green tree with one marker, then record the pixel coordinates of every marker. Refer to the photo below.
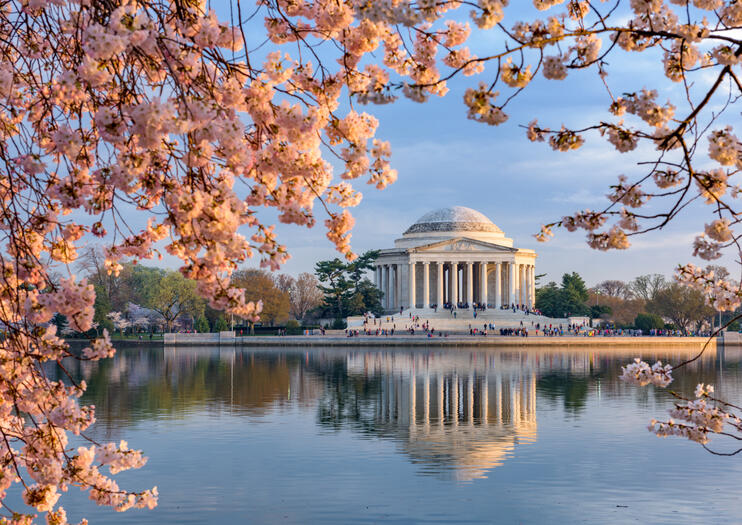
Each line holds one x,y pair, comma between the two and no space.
202,325
335,285
259,285
562,301
102,308
684,306
60,321
172,295
346,289
647,322
574,295
599,311
221,325
548,300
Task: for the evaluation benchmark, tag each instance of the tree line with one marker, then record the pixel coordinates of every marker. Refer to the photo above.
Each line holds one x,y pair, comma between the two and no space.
143,298
648,302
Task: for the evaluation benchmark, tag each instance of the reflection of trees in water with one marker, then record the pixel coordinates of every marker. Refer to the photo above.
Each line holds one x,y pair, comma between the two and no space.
571,388
572,376
152,383
444,408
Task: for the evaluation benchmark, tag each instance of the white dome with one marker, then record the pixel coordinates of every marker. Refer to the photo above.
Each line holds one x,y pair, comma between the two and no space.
454,219
452,223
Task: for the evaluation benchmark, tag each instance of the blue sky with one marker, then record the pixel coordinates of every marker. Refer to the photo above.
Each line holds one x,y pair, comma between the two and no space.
443,159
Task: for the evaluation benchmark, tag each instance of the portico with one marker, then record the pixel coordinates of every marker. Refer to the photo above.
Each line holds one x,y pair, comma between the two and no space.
455,256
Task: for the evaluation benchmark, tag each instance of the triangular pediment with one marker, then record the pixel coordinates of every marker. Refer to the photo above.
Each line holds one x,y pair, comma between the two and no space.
465,245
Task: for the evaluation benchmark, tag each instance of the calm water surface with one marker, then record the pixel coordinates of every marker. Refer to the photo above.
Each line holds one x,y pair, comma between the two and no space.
460,436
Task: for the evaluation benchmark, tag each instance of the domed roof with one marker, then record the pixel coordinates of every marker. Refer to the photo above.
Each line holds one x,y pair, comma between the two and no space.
454,219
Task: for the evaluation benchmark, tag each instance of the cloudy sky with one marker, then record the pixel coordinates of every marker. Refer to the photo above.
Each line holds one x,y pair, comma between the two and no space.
443,159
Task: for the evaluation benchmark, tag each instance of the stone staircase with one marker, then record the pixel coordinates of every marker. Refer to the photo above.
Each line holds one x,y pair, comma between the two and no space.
444,321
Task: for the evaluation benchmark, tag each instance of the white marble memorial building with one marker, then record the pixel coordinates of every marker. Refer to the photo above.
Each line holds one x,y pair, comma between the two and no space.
455,255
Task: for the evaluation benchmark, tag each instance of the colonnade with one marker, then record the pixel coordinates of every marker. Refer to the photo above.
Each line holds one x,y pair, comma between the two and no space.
422,284
456,398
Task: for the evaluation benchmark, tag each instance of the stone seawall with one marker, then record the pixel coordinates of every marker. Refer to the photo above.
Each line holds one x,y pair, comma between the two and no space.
228,339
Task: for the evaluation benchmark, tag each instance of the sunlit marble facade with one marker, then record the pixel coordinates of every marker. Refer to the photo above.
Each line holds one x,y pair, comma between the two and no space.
455,255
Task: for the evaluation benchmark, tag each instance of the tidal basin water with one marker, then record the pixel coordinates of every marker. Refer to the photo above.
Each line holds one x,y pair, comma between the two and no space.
406,436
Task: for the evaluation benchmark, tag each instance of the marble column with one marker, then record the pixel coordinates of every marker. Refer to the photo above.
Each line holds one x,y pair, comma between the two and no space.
412,298
521,284
439,285
511,283
483,283
426,285
533,285
385,285
393,276
392,286
498,285
398,289
449,284
529,281
470,283
455,283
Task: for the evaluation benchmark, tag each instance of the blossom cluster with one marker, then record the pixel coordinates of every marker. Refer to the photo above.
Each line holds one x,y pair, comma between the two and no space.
696,419
165,109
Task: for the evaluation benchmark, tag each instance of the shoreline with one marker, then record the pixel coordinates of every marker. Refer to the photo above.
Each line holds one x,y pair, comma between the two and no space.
450,341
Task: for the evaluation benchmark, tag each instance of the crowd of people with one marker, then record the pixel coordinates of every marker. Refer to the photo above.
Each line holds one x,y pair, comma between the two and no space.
414,324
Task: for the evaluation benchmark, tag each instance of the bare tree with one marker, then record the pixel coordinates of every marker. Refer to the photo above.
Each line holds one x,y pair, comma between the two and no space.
647,286
614,288
284,282
305,295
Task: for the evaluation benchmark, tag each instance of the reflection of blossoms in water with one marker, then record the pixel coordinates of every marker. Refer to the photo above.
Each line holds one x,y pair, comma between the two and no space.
640,373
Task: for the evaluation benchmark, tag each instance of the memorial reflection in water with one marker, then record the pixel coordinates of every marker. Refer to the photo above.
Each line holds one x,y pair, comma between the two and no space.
404,435
448,411
455,414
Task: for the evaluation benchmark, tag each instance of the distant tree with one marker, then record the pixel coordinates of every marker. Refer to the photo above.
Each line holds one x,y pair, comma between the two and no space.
646,286
566,300
221,325
646,322
548,300
614,288
101,309
623,311
371,298
684,306
600,311
346,289
357,269
260,285
120,322
60,321
574,295
304,295
284,282
335,285
720,272
202,325
172,296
